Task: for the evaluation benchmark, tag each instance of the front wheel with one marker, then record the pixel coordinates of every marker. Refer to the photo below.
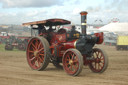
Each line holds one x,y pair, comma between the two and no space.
72,62
100,61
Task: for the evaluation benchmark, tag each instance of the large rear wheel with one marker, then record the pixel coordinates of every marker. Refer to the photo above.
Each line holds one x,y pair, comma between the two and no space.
72,62
100,61
38,53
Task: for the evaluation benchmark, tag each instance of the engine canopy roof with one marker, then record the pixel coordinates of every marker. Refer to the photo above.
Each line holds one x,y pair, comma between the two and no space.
49,22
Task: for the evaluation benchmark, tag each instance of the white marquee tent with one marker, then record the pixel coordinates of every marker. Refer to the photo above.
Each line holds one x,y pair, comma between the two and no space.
121,28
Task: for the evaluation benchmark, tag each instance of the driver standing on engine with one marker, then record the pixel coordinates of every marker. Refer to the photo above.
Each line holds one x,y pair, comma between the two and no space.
57,28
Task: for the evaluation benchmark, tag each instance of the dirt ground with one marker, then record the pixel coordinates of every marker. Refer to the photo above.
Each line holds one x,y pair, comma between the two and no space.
14,70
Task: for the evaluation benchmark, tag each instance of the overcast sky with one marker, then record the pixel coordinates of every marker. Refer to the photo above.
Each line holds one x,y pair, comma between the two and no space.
19,11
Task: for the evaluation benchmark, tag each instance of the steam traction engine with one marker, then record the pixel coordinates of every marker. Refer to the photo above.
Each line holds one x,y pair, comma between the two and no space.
72,49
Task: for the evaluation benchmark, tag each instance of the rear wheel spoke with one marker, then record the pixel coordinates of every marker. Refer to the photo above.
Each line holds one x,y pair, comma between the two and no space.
39,45
40,59
36,44
38,62
33,58
33,46
30,51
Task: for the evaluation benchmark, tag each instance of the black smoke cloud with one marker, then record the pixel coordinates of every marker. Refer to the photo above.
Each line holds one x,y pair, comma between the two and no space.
29,3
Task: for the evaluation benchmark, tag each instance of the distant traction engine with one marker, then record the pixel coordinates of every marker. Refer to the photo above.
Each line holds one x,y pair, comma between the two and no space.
72,49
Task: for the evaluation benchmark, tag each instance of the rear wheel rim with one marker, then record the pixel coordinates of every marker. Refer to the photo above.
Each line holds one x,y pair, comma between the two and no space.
35,53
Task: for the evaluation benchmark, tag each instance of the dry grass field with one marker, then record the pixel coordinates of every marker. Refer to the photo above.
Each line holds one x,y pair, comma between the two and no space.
14,70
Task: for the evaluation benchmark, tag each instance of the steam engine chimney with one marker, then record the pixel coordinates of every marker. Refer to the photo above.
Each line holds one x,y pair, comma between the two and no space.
83,22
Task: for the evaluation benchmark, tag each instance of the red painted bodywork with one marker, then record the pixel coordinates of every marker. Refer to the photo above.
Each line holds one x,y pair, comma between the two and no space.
59,41
101,37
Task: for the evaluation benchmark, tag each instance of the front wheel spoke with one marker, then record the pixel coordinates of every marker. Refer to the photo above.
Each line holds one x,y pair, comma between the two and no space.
75,61
75,67
102,58
67,64
41,49
95,65
99,65
70,68
67,59
41,54
102,62
72,55
97,54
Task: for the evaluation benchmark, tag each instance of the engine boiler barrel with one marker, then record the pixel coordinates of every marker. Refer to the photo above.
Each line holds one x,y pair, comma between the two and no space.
70,44
83,22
